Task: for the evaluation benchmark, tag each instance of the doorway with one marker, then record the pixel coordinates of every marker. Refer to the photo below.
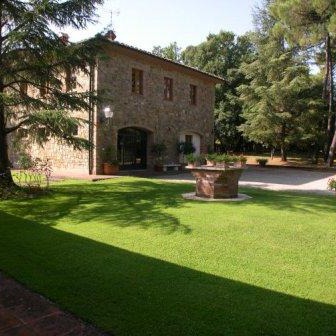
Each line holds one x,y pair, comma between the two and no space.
132,148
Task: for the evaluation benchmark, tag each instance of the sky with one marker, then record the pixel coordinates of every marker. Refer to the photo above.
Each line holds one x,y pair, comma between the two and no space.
147,23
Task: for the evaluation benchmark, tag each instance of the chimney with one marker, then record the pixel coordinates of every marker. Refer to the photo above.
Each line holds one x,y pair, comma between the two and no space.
64,38
110,35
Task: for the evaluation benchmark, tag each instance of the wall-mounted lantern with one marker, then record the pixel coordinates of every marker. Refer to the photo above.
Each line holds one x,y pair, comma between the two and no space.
107,114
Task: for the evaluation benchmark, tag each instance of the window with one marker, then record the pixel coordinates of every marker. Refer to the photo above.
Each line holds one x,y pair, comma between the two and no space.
74,130
193,94
23,89
43,132
137,81
168,88
43,90
188,138
22,133
70,80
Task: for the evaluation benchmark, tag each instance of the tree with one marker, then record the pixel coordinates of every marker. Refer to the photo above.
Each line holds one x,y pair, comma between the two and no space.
275,98
311,128
311,24
34,64
171,52
222,54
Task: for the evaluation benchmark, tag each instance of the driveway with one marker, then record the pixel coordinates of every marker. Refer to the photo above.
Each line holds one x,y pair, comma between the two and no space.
276,179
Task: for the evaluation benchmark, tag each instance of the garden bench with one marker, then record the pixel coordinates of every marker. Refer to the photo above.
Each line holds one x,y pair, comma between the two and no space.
171,166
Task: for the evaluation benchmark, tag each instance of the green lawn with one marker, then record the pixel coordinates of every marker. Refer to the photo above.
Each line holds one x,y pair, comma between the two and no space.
131,256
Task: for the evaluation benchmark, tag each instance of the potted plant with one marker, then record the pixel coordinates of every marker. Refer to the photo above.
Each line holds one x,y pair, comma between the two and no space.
201,159
158,151
241,162
110,161
332,184
192,160
223,160
185,148
210,159
233,160
262,161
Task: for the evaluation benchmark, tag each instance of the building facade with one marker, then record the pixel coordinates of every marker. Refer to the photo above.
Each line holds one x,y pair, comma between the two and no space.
146,100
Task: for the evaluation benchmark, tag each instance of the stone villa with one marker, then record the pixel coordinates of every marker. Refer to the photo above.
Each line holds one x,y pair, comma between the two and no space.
151,100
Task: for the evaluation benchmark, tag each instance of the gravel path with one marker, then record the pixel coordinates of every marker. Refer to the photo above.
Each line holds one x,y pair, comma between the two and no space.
276,179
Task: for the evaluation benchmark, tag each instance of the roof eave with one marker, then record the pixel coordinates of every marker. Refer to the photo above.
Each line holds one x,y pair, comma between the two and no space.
215,79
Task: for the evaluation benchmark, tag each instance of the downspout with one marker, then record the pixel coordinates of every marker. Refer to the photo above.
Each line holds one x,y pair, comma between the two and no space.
91,119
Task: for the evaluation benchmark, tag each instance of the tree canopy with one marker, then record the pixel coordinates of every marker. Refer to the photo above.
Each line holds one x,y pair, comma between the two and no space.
37,67
311,26
171,52
222,54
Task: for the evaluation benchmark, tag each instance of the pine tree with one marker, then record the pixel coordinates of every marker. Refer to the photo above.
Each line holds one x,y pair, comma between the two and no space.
274,99
311,24
34,65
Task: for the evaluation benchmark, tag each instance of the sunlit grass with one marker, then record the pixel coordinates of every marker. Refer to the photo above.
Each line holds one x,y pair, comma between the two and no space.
133,257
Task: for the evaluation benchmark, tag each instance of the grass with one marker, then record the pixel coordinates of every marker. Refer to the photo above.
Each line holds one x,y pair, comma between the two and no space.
131,256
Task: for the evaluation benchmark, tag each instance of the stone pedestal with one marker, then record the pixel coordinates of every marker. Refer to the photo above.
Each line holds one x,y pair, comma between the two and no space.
214,182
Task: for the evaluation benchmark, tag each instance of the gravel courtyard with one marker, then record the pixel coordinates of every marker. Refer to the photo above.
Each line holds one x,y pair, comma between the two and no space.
276,179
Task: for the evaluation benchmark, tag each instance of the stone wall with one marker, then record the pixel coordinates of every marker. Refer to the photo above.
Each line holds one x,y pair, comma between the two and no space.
62,156
164,120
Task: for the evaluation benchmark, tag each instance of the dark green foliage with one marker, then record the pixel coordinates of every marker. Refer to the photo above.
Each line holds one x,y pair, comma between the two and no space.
191,158
109,155
222,55
38,71
262,161
185,148
159,150
311,26
280,101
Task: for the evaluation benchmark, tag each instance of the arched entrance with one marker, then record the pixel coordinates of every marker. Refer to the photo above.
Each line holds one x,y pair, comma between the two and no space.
132,148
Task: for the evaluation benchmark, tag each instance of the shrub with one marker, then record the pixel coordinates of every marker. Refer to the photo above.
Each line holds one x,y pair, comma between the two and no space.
332,184
210,157
110,155
201,159
185,148
159,150
262,161
191,158
34,174
225,159
25,161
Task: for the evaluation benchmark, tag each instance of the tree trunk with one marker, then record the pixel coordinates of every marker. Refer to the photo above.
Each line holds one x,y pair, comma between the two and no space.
283,153
332,149
328,95
5,173
283,148
314,155
6,179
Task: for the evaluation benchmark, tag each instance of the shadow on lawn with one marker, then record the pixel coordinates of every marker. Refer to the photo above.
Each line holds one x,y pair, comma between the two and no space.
125,203
132,294
144,202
